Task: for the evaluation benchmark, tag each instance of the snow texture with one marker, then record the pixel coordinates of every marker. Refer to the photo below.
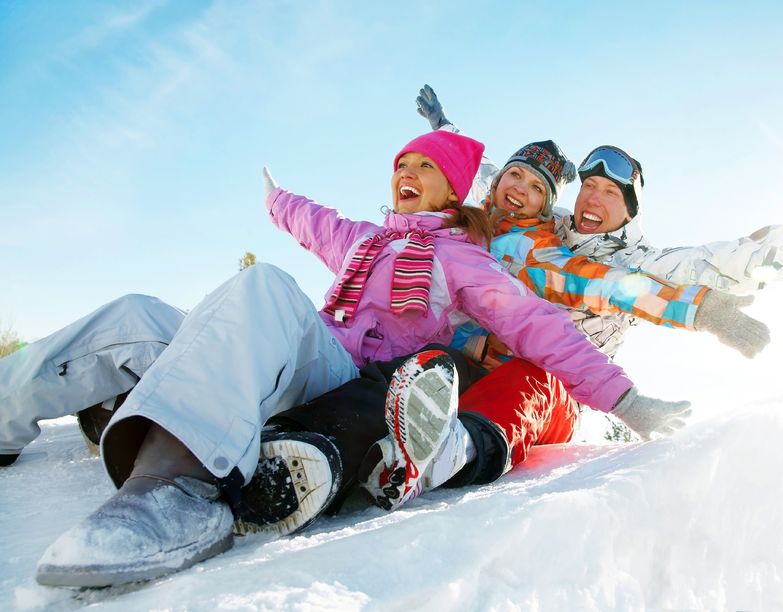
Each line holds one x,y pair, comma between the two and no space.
691,522
694,521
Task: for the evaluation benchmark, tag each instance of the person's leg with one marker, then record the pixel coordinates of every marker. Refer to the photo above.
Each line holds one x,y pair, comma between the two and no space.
252,348
562,422
528,404
500,417
353,417
92,360
350,416
297,477
163,519
421,417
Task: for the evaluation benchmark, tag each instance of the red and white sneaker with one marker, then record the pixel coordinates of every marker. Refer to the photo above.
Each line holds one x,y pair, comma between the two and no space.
421,414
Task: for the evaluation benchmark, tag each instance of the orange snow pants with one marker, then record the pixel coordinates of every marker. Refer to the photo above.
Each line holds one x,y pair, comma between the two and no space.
530,405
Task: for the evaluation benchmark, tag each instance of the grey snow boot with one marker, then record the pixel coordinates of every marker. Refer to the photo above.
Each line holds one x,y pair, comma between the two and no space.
141,536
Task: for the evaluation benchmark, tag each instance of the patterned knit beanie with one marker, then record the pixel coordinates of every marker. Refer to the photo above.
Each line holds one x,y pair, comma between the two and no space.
548,163
457,156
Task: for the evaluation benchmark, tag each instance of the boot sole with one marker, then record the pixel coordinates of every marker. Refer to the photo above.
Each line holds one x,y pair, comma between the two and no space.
313,480
423,407
418,408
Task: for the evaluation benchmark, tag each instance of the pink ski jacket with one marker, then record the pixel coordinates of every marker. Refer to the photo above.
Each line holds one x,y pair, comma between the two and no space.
467,282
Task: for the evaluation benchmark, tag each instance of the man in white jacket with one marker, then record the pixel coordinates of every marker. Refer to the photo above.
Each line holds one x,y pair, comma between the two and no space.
605,226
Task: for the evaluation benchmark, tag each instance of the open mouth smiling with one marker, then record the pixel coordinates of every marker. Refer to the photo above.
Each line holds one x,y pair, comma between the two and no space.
408,192
514,203
590,220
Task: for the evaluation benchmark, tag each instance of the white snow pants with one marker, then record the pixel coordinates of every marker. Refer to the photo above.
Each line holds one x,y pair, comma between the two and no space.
90,361
252,348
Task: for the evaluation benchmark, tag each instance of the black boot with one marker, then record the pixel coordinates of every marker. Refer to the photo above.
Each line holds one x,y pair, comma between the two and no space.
93,420
297,477
493,453
352,416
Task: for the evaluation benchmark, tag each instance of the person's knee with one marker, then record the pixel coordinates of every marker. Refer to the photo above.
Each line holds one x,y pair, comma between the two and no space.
266,272
266,278
147,305
135,301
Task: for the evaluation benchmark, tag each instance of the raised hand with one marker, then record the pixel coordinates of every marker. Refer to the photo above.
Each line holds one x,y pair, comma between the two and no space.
429,107
269,183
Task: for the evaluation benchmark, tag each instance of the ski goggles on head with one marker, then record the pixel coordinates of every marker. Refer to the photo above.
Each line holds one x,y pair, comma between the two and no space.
617,165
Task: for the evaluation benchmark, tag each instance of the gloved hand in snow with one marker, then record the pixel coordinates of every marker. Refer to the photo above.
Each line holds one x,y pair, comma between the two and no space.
269,183
648,415
429,107
719,314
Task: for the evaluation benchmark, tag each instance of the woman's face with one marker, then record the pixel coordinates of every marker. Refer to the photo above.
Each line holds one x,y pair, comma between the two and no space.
521,193
600,207
418,185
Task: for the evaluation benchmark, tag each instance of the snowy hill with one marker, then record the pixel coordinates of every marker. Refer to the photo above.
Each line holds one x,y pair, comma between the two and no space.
694,521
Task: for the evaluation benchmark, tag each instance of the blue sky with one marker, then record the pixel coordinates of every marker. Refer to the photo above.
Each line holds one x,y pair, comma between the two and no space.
133,134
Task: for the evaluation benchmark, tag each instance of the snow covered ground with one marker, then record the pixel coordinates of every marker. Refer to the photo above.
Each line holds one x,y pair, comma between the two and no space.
690,522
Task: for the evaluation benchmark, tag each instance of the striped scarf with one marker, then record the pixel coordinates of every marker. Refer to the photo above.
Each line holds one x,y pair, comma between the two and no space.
410,289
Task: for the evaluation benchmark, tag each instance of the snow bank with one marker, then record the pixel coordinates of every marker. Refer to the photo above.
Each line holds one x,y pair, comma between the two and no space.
694,521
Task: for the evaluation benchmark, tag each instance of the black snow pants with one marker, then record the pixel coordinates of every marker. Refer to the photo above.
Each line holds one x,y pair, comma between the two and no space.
352,417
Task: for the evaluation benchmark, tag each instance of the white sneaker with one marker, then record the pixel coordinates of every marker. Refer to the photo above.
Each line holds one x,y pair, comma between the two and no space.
422,449
141,537
450,458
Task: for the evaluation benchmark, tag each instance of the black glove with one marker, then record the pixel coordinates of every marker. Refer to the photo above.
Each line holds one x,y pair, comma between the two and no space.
429,107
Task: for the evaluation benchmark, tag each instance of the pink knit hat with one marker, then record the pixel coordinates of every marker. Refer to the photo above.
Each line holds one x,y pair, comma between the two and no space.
457,156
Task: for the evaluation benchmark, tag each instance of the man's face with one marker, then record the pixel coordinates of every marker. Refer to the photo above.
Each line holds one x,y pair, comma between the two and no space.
600,207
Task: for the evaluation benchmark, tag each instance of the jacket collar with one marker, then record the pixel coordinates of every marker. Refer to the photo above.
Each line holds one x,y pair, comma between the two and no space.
597,245
509,224
428,221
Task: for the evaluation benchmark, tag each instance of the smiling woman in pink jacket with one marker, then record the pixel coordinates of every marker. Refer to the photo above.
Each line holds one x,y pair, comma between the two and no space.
192,428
